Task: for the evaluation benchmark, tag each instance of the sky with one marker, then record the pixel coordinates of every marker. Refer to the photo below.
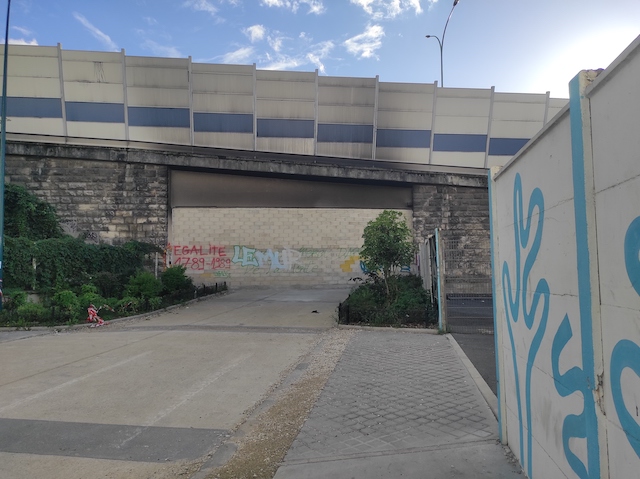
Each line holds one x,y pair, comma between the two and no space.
523,46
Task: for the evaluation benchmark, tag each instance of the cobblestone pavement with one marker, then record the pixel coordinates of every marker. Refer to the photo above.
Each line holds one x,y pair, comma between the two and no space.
395,393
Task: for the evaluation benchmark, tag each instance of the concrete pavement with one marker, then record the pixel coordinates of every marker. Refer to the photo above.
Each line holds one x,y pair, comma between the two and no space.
153,398
149,398
399,404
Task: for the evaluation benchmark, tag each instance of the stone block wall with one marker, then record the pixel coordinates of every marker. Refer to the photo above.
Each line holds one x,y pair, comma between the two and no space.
462,214
101,201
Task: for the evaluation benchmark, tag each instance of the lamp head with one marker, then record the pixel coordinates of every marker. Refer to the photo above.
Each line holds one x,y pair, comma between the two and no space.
455,2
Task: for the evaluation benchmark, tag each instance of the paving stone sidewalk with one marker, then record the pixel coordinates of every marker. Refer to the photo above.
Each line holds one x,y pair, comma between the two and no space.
399,404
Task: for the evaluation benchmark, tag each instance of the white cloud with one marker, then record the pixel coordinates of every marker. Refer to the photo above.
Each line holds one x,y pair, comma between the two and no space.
366,44
150,20
379,9
319,53
315,6
255,32
276,43
284,62
161,50
241,55
99,35
201,6
21,41
22,30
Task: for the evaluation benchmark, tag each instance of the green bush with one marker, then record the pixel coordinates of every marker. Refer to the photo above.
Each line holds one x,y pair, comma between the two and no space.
174,280
368,303
128,305
27,216
143,285
66,300
33,313
13,299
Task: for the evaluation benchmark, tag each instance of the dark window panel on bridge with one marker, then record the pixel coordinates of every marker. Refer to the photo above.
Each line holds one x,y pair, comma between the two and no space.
465,143
336,133
223,122
161,117
506,146
95,112
34,107
281,128
403,138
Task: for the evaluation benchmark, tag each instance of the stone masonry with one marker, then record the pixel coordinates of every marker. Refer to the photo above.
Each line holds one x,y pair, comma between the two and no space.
109,194
104,202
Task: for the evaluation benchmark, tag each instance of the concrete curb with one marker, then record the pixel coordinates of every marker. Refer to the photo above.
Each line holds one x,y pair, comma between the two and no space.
482,385
388,328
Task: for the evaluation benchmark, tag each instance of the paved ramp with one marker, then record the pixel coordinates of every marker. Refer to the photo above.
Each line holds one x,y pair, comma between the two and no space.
144,398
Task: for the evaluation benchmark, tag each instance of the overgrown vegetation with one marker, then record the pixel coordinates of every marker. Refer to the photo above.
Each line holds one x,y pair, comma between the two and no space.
388,296
67,275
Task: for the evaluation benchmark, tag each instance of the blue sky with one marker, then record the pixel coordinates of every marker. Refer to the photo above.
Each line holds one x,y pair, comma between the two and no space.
514,45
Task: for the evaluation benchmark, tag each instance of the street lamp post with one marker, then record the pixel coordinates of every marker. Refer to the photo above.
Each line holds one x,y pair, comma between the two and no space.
3,146
441,42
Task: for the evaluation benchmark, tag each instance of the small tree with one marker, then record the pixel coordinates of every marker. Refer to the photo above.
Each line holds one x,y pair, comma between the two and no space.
388,245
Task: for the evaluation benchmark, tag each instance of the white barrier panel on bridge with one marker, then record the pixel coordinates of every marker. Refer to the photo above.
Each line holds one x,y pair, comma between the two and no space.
82,95
566,262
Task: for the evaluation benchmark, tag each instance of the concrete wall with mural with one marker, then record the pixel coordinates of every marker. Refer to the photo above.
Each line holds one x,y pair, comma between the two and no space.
89,96
566,261
264,246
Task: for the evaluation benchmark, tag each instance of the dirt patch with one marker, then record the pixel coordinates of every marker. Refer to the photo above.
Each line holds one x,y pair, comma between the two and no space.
262,450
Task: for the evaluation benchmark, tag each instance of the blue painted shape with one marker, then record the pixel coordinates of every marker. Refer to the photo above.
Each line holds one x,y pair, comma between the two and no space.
34,107
513,306
496,339
585,425
334,133
625,354
632,253
95,112
403,138
282,128
573,426
459,142
506,146
223,122
159,117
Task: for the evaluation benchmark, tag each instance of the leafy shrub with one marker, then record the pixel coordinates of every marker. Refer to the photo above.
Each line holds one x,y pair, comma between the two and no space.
155,303
66,300
32,313
27,216
174,279
368,303
128,305
13,299
388,245
143,285
108,284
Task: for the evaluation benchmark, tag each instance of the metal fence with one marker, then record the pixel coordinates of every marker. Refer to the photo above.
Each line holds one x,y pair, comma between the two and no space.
467,287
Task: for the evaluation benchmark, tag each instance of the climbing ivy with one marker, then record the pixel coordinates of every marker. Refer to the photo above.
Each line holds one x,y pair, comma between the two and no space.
27,216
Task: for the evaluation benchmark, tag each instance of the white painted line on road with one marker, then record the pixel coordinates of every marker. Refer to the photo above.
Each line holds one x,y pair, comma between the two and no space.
197,389
33,397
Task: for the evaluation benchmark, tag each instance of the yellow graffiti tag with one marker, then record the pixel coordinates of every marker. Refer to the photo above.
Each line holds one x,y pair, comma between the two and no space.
348,264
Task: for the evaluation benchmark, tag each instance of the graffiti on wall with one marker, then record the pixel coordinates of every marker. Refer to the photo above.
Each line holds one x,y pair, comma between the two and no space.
530,323
626,353
527,315
199,257
219,260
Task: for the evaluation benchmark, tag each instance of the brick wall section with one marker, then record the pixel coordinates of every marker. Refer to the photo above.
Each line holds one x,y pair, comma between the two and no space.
103,201
263,246
462,214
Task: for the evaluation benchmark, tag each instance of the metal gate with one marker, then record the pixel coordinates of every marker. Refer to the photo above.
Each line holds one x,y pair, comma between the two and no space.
467,287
